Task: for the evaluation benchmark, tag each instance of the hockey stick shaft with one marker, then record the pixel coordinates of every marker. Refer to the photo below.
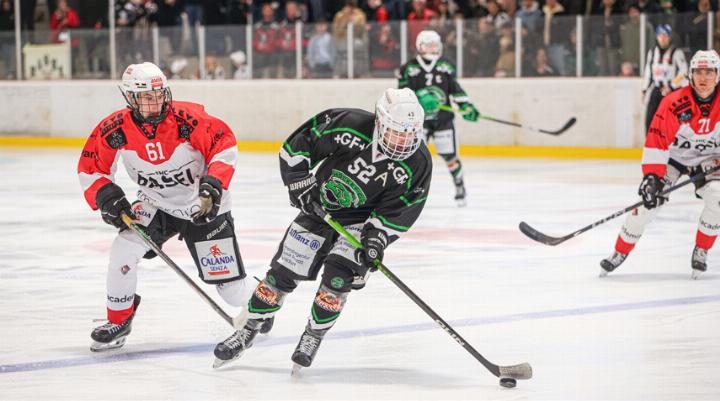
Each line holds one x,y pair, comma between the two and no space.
149,242
522,371
565,127
548,240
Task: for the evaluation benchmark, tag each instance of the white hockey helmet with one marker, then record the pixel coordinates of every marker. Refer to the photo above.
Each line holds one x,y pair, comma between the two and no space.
141,78
398,123
429,45
704,59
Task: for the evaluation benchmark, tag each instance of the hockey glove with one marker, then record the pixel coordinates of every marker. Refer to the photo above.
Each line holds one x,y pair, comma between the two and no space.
304,194
210,195
470,112
112,203
650,189
374,242
428,102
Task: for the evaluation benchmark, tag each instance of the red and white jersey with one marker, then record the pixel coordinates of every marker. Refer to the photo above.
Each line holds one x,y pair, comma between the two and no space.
682,130
166,163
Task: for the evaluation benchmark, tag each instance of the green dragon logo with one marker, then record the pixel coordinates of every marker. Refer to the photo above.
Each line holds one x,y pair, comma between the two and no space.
341,192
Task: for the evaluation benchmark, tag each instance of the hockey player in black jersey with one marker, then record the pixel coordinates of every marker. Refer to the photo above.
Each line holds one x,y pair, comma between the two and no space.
433,79
372,174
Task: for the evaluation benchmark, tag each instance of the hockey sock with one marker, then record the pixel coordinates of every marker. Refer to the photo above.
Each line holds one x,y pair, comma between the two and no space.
709,224
455,167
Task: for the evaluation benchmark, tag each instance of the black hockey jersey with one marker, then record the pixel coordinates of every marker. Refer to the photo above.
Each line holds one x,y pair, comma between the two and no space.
439,78
358,183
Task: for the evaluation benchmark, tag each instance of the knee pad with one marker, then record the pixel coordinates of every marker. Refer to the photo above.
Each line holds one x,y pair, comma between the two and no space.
710,194
235,293
326,307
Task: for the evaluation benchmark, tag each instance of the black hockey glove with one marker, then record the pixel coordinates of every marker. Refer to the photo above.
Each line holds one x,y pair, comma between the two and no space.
210,195
304,194
650,189
112,203
374,242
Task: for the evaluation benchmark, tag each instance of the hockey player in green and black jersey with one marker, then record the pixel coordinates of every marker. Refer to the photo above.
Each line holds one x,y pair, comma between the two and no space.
372,174
434,81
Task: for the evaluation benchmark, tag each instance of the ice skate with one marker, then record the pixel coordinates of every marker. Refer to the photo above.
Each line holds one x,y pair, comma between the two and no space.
611,263
460,195
110,335
234,346
306,349
699,266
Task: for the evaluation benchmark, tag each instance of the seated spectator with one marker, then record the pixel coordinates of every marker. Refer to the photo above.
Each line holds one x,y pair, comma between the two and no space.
418,19
541,67
556,33
375,11
321,52
482,49
505,66
530,15
384,50
627,70
264,42
240,63
351,13
496,15
61,21
213,69
7,23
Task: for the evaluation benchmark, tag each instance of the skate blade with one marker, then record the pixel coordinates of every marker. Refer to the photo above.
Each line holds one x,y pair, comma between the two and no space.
101,347
695,274
603,273
296,370
218,363
461,202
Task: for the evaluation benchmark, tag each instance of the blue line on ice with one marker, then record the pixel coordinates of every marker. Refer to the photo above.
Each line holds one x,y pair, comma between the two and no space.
269,342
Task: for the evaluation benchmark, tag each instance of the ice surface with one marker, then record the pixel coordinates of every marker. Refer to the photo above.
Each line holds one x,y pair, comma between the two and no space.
645,332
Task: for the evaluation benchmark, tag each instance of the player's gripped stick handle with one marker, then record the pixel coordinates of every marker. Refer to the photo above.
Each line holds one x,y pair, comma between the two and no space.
549,240
238,322
522,371
564,128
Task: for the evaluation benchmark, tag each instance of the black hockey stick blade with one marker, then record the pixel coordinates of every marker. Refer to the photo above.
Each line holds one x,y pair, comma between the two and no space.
540,237
565,127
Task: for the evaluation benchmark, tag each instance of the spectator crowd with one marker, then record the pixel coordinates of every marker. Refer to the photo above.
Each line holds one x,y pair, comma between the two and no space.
610,36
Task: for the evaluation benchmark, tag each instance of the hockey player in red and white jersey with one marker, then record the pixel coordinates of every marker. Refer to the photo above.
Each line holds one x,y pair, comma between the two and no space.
683,138
183,160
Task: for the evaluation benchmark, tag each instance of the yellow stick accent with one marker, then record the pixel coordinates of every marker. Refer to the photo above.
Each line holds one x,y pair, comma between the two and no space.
552,152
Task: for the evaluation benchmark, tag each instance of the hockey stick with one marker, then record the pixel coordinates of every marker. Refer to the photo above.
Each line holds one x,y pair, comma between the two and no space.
564,128
507,374
237,322
548,240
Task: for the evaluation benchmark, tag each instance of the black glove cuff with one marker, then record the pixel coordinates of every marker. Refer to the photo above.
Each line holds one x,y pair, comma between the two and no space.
108,192
212,181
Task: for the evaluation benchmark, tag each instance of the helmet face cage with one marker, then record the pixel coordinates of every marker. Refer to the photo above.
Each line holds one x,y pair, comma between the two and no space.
150,107
398,140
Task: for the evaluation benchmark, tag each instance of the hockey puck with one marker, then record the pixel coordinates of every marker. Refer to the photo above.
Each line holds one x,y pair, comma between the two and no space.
508,382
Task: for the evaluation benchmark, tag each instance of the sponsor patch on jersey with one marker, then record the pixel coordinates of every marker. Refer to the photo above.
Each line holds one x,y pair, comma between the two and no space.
217,260
343,248
299,249
143,212
116,139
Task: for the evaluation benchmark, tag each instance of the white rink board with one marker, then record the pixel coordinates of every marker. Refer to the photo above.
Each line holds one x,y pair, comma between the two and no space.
608,110
646,332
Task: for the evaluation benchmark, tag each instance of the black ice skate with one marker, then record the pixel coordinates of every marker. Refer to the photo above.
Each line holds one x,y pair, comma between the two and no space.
307,348
611,263
110,335
698,263
234,346
460,195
